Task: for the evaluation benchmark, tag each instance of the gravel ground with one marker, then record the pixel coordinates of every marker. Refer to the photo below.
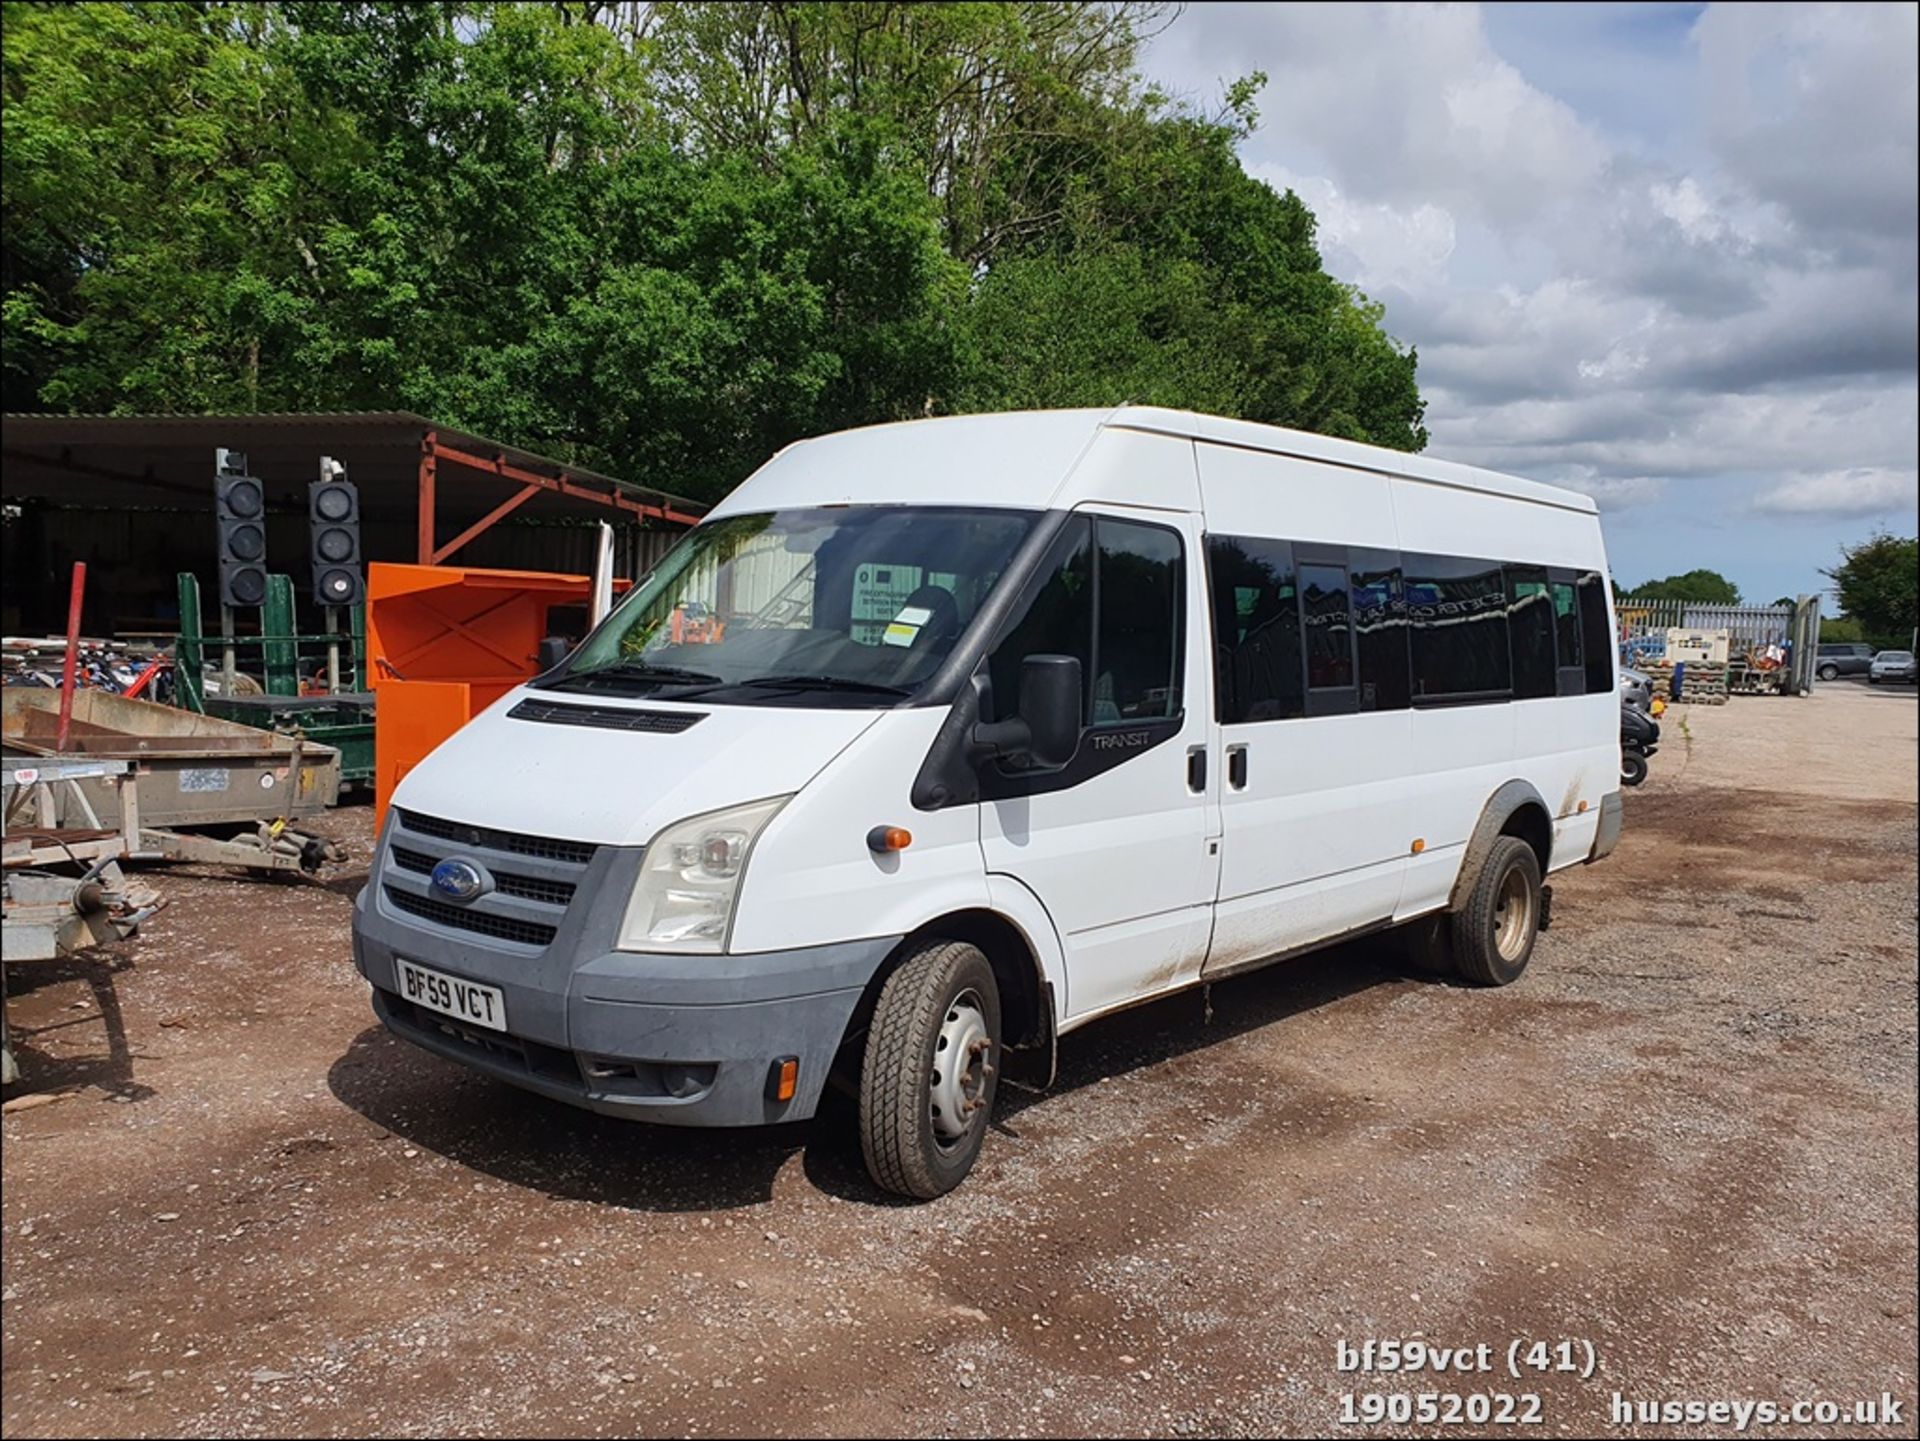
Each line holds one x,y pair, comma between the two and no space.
1688,1137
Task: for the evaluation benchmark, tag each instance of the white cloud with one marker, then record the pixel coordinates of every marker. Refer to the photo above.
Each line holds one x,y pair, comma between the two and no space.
1724,299
1863,491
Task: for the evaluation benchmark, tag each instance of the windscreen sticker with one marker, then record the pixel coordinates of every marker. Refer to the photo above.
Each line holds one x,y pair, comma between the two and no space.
906,625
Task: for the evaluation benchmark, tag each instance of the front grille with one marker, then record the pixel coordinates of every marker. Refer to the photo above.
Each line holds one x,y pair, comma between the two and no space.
607,717
546,848
532,888
506,928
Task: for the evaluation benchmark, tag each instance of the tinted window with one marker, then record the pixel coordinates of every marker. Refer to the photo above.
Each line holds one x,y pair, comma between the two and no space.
1327,615
1597,632
1380,632
1458,611
1058,619
1566,622
1259,671
1530,628
1137,651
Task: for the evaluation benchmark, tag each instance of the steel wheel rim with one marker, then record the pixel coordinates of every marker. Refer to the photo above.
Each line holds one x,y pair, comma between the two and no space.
1513,914
962,1067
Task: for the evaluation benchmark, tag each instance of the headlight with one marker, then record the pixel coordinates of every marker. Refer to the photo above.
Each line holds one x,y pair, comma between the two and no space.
690,879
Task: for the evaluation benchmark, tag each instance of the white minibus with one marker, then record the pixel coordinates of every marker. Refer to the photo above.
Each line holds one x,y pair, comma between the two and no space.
935,741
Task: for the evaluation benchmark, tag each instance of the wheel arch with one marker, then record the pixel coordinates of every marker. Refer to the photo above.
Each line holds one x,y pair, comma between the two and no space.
1516,809
1027,1003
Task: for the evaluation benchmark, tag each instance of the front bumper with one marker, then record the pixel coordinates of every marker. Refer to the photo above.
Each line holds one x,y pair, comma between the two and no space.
684,1040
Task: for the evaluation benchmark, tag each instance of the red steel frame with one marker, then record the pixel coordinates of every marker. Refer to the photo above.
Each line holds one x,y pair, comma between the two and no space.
433,451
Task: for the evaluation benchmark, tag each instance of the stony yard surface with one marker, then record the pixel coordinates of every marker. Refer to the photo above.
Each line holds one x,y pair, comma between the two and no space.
1686,1137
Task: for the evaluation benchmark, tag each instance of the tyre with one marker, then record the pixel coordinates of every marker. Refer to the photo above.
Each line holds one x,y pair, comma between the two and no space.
1429,946
1873,679
1494,932
1633,768
1829,672
931,1068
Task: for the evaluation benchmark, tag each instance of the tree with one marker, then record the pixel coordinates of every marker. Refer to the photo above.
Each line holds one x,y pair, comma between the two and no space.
1878,584
1707,587
662,241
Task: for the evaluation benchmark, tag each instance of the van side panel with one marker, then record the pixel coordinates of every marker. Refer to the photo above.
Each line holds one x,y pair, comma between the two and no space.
1316,840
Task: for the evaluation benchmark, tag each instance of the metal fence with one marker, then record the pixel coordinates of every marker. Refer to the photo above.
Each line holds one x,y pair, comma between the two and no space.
1645,621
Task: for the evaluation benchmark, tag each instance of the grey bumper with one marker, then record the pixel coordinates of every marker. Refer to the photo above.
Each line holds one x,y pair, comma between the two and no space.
685,1040
1607,836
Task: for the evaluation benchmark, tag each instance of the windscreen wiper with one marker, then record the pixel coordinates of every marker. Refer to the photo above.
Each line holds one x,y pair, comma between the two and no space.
639,670
827,682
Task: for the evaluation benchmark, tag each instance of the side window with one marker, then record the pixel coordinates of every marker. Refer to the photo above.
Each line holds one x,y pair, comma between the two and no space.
1112,596
1327,612
1137,651
1380,630
1597,633
1530,629
1058,619
1458,612
1566,627
1259,669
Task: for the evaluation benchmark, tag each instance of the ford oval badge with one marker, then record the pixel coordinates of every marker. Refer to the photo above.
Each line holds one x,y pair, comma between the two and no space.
458,880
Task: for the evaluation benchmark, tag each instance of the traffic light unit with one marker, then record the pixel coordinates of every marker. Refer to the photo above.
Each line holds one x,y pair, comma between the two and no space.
333,514
240,512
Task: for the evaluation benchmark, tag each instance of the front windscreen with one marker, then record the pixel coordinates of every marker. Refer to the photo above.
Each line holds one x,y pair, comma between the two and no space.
839,605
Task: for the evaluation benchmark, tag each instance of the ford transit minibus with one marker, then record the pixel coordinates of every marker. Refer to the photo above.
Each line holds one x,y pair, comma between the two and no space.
936,741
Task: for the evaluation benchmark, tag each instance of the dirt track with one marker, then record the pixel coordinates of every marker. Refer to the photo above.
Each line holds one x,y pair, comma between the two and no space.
1688,1136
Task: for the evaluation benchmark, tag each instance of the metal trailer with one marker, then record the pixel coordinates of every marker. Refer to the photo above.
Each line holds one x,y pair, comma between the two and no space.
43,918
137,780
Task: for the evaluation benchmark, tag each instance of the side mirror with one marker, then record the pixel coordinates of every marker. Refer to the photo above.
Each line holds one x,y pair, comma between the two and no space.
1046,729
553,650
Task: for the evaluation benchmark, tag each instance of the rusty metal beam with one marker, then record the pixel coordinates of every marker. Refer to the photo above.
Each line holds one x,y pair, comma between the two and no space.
561,485
429,466
505,508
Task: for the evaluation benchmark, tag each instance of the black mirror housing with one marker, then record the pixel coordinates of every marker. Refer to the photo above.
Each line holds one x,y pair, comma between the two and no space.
554,649
1050,691
1046,729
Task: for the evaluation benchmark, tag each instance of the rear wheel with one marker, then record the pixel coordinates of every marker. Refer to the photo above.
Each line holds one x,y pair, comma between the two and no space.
931,1068
1829,672
1494,932
1633,768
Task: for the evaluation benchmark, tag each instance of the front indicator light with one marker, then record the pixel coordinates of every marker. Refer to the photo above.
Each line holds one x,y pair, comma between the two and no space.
783,1078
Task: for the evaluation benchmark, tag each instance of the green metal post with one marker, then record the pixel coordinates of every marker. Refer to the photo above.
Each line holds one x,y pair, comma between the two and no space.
356,679
189,653
277,637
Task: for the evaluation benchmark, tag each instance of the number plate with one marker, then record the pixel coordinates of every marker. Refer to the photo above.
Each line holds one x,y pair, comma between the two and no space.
467,1001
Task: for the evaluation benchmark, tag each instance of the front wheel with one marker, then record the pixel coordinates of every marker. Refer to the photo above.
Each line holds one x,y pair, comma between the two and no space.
930,1071
1633,768
1494,932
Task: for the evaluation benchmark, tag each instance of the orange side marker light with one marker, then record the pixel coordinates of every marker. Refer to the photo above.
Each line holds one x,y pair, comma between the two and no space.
882,839
1419,845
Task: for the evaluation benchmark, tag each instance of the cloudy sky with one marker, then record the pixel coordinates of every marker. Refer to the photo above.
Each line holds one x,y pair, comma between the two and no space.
1662,253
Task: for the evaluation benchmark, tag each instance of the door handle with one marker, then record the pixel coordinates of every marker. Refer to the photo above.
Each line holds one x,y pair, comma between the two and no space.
1196,768
1237,767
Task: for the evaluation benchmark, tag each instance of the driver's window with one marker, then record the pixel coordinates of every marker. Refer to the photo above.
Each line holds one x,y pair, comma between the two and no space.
1132,658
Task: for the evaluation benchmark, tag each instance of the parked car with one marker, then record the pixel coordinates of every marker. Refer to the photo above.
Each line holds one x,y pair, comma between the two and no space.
1843,658
1892,666
1636,689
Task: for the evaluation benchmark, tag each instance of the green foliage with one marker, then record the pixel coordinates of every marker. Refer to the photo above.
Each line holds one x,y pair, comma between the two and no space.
1878,583
660,240
1708,587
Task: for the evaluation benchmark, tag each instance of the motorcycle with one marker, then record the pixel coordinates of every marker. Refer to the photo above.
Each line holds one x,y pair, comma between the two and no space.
1639,739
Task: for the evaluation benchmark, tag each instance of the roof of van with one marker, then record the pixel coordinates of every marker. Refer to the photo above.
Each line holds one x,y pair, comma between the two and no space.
993,459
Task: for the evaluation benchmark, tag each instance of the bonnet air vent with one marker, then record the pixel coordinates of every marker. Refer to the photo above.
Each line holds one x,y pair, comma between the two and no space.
606,717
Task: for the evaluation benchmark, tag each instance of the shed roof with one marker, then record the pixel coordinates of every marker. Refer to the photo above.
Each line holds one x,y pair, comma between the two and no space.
166,461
